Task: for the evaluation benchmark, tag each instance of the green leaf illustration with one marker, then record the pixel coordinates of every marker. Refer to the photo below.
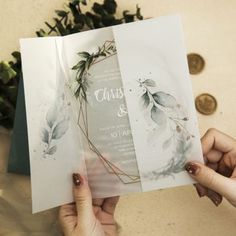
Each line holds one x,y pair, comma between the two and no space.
180,137
158,116
79,65
167,143
145,100
51,116
150,83
164,99
83,66
60,129
89,62
45,136
52,150
85,55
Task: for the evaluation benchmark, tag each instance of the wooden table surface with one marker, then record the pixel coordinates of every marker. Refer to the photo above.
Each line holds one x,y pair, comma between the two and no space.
210,30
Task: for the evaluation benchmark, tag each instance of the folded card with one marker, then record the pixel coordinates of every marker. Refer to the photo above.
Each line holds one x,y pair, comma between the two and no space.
114,104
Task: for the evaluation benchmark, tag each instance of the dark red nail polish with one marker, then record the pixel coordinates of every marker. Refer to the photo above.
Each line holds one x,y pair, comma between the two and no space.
77,179
192,168
215,197
215,201
200,194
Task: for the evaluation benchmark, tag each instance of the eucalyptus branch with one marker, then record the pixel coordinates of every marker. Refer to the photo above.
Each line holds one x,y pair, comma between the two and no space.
176,120
54,28
87,60
162,103
178,123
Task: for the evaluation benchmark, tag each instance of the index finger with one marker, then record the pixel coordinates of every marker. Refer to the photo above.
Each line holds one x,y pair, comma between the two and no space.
214,139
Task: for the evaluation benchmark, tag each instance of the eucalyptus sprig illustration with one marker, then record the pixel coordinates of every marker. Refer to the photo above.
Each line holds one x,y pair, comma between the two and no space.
164,109
165,112
57,123
175,164
108,49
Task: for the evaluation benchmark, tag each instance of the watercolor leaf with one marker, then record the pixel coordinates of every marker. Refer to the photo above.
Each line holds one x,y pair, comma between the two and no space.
158,116
167,143
60,129
178,167
145,100
79,65
187,147
51,116
150,83
52,150
45,136
88,62
85,55
165,99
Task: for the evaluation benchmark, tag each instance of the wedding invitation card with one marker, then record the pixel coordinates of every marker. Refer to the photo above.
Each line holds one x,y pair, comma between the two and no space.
114,104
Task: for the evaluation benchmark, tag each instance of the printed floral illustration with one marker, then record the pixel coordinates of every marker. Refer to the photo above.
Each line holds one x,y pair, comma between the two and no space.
79,89
167,114
57,123
107,50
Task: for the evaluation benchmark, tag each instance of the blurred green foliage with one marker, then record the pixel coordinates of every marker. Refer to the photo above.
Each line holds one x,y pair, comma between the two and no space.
69,21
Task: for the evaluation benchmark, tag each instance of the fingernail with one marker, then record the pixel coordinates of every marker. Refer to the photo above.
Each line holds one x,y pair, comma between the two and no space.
215,197
200,194
77,179
192,168
215,201
200,191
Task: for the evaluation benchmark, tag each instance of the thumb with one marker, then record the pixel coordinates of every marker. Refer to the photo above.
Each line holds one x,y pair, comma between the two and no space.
83,199
212,180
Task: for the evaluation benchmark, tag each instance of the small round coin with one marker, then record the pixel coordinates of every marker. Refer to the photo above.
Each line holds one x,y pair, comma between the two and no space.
206,104
195,63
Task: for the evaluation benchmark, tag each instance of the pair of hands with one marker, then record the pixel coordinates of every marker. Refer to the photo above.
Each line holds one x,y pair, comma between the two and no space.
216,179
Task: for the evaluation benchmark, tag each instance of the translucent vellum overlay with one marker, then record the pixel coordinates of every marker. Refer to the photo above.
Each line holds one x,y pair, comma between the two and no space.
159,100
102,118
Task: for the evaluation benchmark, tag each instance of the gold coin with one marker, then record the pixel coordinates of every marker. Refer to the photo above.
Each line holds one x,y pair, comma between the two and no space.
206,104
195,63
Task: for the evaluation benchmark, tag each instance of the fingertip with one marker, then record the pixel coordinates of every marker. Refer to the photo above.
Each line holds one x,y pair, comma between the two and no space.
78,180
207,140
192,168
81,190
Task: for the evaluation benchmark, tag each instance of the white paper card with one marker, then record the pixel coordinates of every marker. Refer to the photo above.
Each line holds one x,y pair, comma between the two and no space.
113,104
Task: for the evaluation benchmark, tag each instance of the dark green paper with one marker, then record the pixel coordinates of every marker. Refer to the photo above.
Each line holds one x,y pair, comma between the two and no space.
18,161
